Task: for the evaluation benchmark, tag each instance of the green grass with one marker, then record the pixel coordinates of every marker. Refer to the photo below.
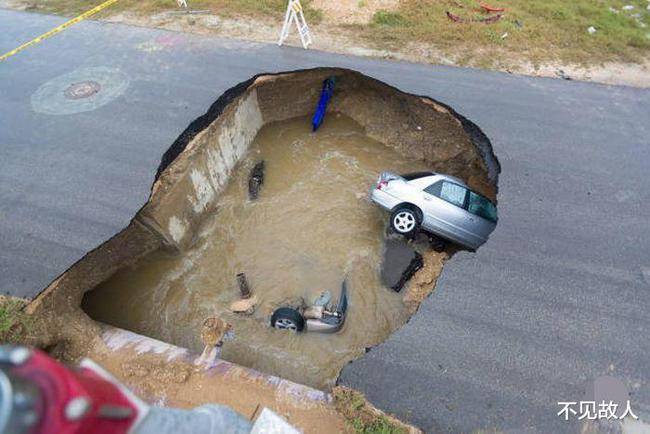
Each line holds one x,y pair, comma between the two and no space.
360,414
14,323
536,30
381,425
389,19
530,30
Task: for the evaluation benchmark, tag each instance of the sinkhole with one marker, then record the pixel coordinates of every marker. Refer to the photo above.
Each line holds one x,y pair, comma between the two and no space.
310,228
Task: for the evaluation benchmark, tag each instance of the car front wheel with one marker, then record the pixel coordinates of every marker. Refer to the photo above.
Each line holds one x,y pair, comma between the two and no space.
405,221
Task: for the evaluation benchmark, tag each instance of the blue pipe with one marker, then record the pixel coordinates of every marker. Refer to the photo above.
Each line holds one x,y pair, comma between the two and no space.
325,96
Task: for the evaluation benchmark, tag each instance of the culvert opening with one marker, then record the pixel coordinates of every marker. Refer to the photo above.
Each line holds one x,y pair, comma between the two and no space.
310,228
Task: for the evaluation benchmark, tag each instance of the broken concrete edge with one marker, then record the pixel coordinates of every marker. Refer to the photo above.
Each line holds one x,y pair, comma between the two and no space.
117,340
125,347
201,123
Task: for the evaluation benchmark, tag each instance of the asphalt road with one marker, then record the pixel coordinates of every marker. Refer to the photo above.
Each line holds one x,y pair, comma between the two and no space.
556,298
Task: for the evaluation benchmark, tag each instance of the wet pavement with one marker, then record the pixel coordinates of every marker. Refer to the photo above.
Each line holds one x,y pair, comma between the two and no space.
556,298
311,227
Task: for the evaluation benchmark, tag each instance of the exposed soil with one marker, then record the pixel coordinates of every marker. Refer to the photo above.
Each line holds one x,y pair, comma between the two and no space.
350,11
182,385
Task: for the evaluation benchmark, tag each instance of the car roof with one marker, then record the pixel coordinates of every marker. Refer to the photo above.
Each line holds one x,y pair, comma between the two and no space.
432,177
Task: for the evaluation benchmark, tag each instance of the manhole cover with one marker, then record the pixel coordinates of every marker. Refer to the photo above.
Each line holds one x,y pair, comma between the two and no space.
78,91
82,89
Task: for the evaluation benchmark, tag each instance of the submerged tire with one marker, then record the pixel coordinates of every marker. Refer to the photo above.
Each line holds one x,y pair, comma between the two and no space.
286,318
405,221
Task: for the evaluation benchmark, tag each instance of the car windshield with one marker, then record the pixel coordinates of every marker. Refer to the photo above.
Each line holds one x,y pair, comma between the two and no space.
482,207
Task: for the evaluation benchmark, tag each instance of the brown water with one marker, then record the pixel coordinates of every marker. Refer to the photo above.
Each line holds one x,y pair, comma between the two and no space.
311,226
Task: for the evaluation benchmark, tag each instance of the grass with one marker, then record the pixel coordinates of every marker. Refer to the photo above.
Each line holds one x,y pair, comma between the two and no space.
14,323
363,418
389,19
536,30
379,426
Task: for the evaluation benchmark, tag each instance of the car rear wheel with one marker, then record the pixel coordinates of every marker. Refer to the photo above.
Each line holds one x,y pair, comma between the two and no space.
405,221
286,318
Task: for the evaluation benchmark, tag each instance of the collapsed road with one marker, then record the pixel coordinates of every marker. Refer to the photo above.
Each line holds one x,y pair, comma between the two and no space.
556,298
310,228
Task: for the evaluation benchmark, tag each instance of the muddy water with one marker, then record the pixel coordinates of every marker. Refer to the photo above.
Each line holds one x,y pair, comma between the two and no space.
311,226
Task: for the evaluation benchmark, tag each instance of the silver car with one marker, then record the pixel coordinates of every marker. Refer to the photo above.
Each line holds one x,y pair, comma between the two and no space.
440,204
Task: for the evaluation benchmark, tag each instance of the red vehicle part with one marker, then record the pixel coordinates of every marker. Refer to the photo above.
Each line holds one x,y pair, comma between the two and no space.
488,8
50,398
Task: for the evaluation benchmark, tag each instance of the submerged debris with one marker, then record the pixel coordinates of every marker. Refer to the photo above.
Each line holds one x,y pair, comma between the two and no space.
213,332
247,303
255,180
244,289
400,263
245,306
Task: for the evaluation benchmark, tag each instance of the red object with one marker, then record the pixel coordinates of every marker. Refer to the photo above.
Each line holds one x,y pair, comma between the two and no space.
488,8
98,405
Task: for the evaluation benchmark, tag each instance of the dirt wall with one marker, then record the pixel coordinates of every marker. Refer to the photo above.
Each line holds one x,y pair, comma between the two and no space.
187,191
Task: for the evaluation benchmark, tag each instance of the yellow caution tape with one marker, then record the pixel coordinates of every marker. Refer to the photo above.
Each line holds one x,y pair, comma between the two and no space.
58,29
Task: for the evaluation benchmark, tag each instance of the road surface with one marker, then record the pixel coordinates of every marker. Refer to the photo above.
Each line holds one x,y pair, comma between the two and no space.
559,295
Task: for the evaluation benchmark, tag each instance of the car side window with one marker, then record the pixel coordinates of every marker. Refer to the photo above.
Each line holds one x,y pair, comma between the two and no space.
448,191
434,189
482,207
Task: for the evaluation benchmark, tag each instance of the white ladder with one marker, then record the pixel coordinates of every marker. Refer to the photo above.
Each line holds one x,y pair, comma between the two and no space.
295,14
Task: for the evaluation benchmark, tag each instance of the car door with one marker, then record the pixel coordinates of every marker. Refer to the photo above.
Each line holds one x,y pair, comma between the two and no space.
445,212
482,215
